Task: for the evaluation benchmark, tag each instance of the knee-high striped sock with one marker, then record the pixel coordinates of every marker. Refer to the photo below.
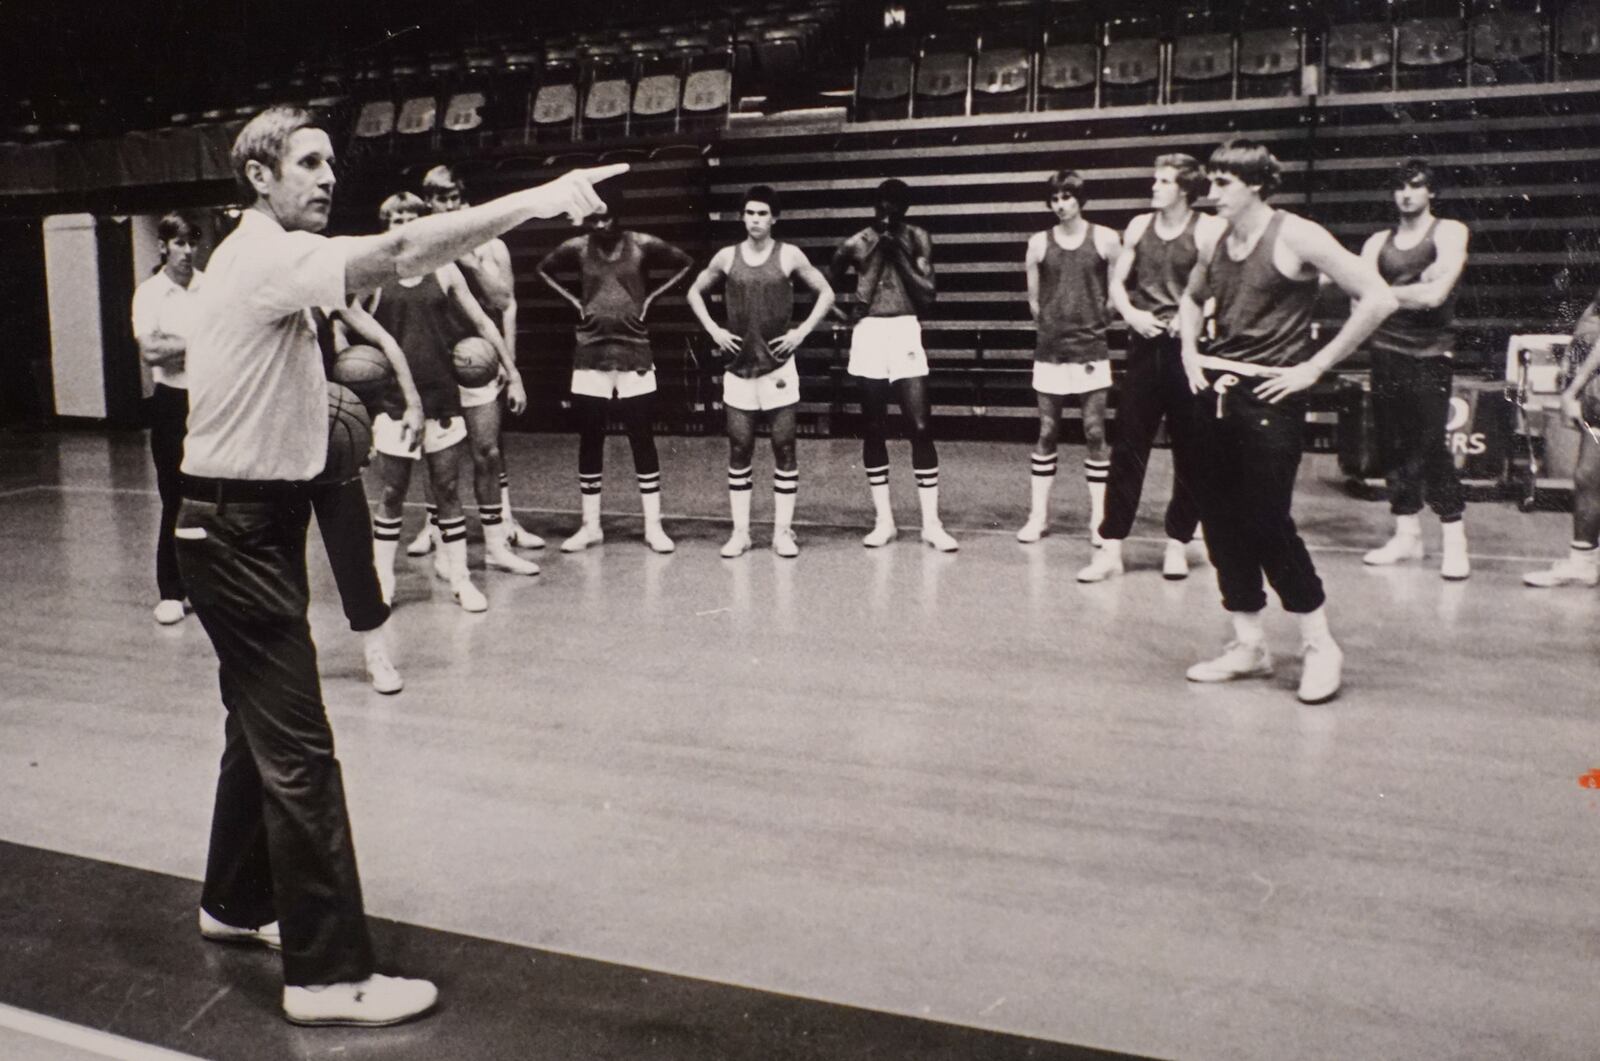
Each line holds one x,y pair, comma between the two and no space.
1096,472
928,494
785,487
385,544
739,486
490,516
1044,477
453,538
650,482
878,483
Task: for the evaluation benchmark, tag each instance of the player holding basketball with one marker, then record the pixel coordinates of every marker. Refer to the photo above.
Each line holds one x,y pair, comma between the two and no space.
417,312
893,263
1421,259
161,319
1066,266
282,868
612,360
492,282
1158,254
1263,272
760,377
1580,403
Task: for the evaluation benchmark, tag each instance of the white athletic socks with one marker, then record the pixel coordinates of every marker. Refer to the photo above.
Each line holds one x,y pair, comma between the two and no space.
739,488
1454,564
1096,473
1248,628
785,487
589,533
883,528
1314,627
497,543
933,531
1043,478
453,533
385,544
650,501
424,542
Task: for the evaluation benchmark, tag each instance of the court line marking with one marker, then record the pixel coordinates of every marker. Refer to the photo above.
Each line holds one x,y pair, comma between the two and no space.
823,525
104,1044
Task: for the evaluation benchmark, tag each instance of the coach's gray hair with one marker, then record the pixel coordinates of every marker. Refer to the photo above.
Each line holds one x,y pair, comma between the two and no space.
264,139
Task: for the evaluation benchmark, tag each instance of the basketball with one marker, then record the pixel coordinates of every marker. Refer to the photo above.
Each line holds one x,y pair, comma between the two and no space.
349,436
362,368
475,362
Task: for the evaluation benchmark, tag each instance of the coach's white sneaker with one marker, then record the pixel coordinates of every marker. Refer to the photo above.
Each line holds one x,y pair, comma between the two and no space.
587,535
783,543
880,535
737,545
1405,545
1175,562
520,537
939,538
381,671
1573,571
1323,663
423,543
1106,563
168,612
497,554
1033,530
1239,660
370,1003
219,932
469,596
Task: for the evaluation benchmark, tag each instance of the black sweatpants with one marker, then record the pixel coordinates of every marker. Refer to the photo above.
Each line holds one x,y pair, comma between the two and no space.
280,831
346,525
1153,388
168,409
1411,402
1247,456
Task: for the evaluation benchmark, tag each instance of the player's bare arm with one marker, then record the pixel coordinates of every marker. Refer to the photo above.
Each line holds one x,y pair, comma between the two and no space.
359,323
662,249
1190,315
1306,244
1438,279
1143,322
711,277
562,258
455,286
1030,264
796,265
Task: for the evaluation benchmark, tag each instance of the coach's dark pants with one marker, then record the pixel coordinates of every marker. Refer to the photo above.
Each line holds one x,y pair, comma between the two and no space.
280,833
169,415
1153,387
1246,460
1411,402
346,526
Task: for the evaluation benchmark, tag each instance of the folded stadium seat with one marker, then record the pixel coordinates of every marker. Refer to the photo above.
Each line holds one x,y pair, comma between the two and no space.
1202,68
1002,76
330,96
1509,48
465,100
1067,73
659,90
944,76
1130,65
747,69
1270,62
607,91
708,88
417,96
1360,57
1577,49
783,54
555,104
1431,53
883,84
508,96
375,118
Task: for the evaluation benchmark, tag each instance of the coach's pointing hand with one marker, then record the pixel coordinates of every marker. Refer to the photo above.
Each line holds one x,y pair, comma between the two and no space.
573,192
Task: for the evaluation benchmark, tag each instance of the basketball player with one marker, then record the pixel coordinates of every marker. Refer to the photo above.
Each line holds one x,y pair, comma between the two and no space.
417,312
492,282
893,263
282,868
1158,253
760,376
1421,259
341,507
1581,405
612,359
1263,272
1066,267
161,318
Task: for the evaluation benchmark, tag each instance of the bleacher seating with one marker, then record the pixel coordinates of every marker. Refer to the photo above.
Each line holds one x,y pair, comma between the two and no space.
944,75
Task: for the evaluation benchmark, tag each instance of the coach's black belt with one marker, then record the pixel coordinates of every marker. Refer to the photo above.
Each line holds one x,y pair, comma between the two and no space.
222,491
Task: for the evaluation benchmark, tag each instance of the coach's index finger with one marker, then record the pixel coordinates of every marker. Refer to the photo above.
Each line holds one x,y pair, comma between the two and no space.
596,174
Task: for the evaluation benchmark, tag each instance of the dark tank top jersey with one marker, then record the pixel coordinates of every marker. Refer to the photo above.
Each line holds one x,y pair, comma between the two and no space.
1161,269
612,336
760,302
1414,332
1072,302
423,322
1263,317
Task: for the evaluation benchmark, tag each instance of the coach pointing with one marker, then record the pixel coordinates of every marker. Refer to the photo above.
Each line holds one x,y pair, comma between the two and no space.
282,865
